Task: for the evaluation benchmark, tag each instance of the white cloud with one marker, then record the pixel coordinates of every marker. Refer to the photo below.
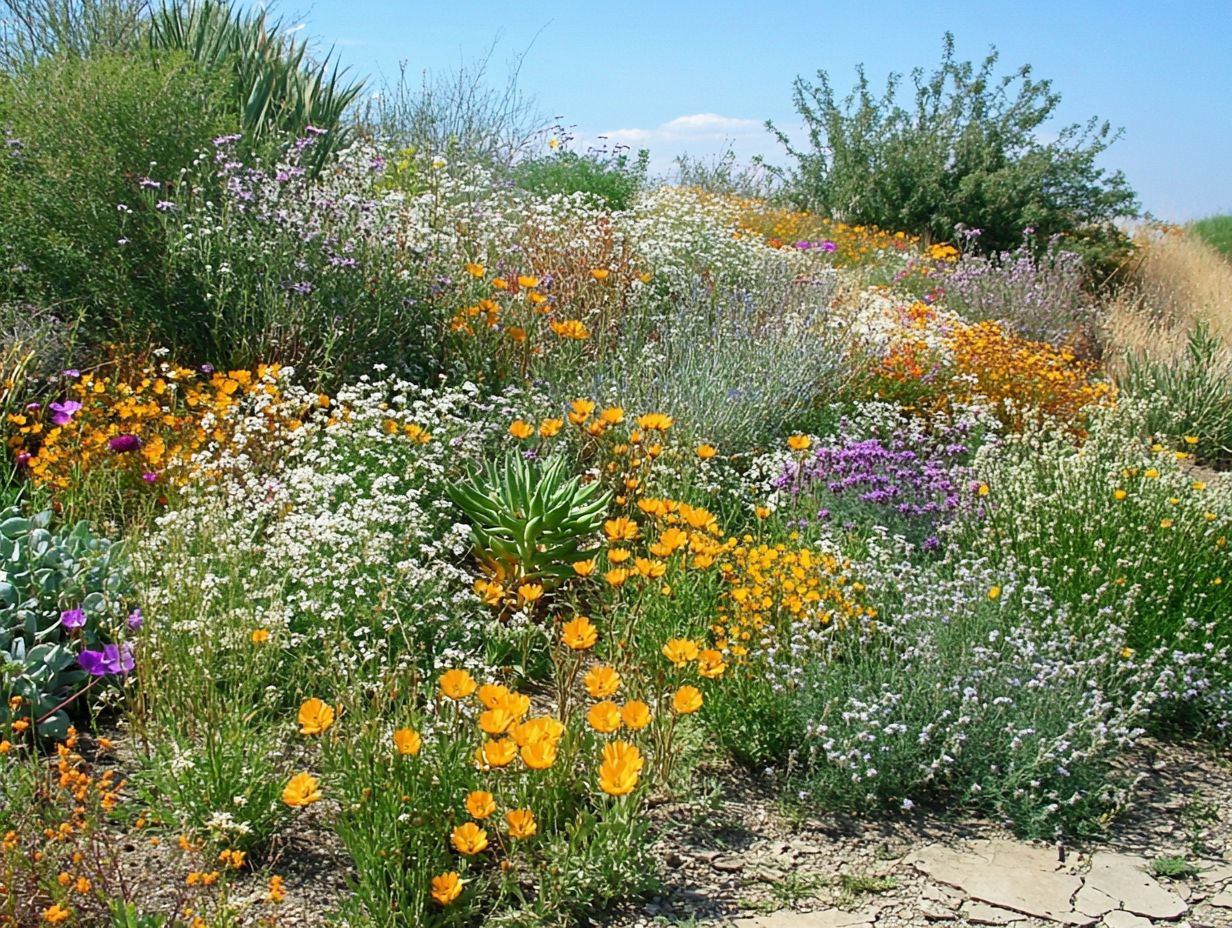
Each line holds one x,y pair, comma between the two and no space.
700,135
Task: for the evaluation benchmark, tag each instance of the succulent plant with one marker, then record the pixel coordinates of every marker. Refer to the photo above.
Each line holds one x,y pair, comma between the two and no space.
531,520
62,593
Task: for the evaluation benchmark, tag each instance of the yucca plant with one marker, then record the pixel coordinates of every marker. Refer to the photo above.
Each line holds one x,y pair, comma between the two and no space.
277,88
531,521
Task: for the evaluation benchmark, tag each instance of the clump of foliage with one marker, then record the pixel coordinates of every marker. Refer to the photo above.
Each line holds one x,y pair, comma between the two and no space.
1216,231
62,617
614,179
82,138
967,152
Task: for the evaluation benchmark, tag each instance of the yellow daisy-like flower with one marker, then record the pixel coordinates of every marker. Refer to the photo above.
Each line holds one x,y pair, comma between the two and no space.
480,804
528,282
601,682
469,839
446,887
475,270
315,716
604,717
680,651
549,428
1118,494
580,634
994,592
521,430
499,753
539,755
302,790
613,415
710,664
521,823
457,684
407,741
635,714
600,273
799,442
687,700
584,568
260,636
706,452
655,422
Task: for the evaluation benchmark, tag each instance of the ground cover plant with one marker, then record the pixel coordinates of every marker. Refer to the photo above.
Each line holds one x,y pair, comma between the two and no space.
462,516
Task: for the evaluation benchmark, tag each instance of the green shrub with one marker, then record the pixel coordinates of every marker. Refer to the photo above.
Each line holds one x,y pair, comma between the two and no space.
1216,231
967,153
62,593
612,179
82,138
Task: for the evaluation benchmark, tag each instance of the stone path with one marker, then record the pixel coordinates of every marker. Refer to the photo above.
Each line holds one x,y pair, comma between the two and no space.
735,863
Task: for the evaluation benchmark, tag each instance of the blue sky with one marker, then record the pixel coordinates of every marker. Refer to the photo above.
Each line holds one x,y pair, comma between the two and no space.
682,75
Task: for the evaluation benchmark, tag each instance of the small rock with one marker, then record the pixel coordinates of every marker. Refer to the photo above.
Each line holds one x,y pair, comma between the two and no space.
1120,919
727,864
1221,900
978,913
935,912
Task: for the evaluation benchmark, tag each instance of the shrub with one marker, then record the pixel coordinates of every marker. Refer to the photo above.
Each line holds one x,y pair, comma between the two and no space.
613,180
967,153
274,89
1216,231
83,138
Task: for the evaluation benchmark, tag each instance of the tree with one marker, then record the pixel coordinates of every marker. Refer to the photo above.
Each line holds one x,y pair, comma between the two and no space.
972,151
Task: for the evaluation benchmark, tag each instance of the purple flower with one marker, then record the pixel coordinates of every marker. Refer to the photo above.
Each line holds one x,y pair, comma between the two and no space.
135,619
314,130
207,368
165,206
62,413
123,443
226,140
828,246
71,373
33,407
112,659
149,183
73,618
23,457
149,476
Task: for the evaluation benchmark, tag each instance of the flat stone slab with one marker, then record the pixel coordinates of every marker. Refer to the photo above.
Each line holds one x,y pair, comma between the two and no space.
1124,878
1119,919
830,918
1007,875
1221,900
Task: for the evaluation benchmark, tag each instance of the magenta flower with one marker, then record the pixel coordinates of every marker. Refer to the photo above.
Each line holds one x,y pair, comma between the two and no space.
62,413
113,659
73,618
123,443
149,476
135,620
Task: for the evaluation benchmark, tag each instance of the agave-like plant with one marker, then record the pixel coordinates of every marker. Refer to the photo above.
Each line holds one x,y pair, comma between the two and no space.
276,88
531,521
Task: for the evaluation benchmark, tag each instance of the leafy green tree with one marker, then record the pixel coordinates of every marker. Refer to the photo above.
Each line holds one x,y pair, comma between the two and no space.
972,151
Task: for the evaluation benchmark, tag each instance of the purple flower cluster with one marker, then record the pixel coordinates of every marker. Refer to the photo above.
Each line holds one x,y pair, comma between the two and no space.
865,482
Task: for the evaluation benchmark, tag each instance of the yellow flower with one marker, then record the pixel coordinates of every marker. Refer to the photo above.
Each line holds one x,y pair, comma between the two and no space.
687,700
762,512
231,859
572,329
680,651
616,577
276,890
612,415
994,592
302,790
621,767
446,887
584,568
549,428
457,684
706,452
315,716
56,914
1150,473
260,636
539,755
553,144
521,430
542,728
618,555
620,529
521,823
655,422
1127,652
499,753
710,664
599,273
604,717
480,804
601,682
496,721
635,714
1191,439
798,442
580,634
1166,523
469,839
407,741
475,270
529,593
1118,494
528,282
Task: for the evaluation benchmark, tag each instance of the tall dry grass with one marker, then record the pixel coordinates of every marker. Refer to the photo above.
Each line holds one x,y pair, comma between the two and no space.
1174,281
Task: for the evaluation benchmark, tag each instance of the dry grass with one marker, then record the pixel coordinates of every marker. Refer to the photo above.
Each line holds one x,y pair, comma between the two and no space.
1175,280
